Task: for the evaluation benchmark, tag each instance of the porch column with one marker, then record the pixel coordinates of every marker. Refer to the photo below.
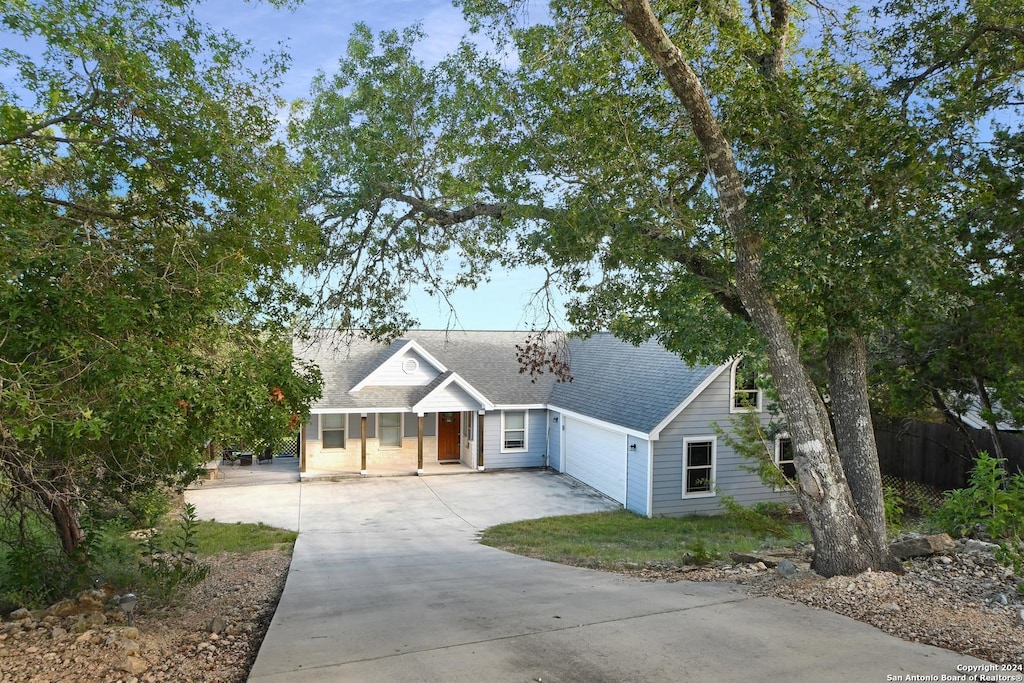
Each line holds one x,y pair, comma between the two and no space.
302,449
480,441
419,444
362,452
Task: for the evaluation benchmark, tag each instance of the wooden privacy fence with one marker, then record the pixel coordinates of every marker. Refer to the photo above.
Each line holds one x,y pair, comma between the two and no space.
938,455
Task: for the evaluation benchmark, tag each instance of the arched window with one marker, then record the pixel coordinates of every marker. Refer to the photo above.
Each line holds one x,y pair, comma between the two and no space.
746,395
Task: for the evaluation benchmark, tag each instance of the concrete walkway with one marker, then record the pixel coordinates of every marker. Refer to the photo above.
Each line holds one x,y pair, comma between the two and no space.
388,583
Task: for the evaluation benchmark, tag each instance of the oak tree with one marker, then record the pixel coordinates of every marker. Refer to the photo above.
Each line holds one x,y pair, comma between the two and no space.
727,178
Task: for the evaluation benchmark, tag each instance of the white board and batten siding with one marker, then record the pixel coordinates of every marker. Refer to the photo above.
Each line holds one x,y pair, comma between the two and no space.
731,472
535,454
596,456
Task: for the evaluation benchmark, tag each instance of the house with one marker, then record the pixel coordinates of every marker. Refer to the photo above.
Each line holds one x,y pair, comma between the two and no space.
636,422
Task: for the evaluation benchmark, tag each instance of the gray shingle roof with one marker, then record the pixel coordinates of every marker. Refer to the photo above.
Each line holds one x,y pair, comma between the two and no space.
632,386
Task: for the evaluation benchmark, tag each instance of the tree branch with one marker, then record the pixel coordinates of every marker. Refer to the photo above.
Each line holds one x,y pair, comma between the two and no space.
914,82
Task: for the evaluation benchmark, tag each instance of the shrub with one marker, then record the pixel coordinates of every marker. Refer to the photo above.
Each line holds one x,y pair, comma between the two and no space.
34,571
764,519
992,503
168,572
893,502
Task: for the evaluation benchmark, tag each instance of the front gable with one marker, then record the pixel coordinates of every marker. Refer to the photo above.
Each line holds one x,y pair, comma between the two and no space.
452,393
406,364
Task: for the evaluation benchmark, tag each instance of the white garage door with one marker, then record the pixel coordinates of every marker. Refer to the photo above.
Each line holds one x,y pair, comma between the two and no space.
597,457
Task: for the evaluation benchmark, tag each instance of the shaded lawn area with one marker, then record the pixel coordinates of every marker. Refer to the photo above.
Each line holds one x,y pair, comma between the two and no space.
612,540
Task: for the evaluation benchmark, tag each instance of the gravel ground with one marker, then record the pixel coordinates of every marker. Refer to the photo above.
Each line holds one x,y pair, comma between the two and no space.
961,600
237,600
954,600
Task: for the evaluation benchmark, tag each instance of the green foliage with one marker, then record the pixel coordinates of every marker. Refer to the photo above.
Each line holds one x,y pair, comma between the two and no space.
991,503
150,219
33,571
756,443
148,506
1011,554
762,521
893,504
170,565
697,552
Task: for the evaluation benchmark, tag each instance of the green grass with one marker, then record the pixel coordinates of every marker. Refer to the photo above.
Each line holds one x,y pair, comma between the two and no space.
217,537
610,540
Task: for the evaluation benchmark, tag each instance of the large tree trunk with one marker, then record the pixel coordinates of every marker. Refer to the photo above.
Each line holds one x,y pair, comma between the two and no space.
843,542
855,438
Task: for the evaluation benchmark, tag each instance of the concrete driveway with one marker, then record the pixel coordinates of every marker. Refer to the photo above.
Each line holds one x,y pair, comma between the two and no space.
387,583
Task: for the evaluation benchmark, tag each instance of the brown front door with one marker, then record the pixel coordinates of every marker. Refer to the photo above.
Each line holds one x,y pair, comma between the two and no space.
448,436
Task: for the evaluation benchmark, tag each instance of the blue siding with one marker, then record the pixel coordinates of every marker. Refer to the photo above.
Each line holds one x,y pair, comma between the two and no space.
731,475
536,442
636,475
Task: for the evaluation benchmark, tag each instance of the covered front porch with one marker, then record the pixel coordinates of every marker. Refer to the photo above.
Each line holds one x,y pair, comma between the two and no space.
385,443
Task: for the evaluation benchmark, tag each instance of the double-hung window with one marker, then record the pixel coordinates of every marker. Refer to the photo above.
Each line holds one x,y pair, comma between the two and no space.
513,430
390,429
332,432
699,467
784,457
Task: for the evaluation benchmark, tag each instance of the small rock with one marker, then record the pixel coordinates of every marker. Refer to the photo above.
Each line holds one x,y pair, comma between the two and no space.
760,566
57,633
973,545
131,646
786,569
85,637
19,614
128,633
134,665
216,625
89,621
889,607
745,558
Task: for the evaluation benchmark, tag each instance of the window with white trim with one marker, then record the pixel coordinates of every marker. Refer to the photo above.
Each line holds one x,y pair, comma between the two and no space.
332,431
746,395
513,430
699,467
784,456
390,429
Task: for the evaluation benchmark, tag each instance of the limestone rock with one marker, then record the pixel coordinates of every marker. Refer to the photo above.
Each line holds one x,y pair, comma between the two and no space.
921,546
973,545
134,665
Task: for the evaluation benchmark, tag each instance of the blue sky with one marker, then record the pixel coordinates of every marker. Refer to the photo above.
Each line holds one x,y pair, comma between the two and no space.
315,34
